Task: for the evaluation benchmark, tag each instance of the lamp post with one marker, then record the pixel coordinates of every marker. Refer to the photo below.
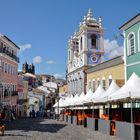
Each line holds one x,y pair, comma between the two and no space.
1,87
58,85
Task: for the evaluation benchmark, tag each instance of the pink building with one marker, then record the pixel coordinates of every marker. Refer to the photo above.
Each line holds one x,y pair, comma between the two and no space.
8,72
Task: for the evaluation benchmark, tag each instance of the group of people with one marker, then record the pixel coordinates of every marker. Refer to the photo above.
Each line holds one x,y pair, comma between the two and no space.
32,114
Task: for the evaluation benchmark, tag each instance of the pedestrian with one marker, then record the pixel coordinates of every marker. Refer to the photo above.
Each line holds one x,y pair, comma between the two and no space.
33,113
30,114
2,123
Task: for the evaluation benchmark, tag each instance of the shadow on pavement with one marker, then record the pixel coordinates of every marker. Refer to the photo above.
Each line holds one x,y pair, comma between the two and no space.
35,124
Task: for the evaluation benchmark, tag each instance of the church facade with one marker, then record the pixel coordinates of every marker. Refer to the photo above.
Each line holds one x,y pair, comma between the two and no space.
85,49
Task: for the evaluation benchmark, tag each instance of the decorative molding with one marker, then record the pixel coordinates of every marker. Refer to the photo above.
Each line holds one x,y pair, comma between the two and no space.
135,63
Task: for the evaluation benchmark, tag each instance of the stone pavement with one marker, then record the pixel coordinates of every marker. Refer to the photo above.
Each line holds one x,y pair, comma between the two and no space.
45,129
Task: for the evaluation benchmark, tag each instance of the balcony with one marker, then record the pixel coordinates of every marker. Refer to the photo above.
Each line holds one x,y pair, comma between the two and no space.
14,93
10,54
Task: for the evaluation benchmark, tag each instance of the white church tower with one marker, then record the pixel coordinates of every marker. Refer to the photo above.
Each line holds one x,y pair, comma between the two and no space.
85,49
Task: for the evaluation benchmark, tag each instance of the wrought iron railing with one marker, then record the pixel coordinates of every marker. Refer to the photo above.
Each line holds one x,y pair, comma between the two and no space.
10,54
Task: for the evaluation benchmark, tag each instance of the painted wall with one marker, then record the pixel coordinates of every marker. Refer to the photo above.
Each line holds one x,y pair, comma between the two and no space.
135,68
132,61
117,73
136,56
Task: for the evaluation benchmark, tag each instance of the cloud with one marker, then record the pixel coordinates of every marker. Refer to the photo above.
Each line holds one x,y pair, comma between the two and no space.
24,47
112,49
58,75
50,62
37,59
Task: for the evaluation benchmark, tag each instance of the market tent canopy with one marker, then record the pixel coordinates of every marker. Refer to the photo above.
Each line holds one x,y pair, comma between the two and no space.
76,97
80,99
98,93
69,101
104,97
87,96
131,89
60,102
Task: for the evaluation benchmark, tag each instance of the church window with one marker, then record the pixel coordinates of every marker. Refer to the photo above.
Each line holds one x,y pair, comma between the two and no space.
93,41
69,55
81,43
131,44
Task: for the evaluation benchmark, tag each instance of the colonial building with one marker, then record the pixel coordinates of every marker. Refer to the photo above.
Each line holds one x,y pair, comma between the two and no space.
131,33
22,96
63,90
85,49
103,74
8,71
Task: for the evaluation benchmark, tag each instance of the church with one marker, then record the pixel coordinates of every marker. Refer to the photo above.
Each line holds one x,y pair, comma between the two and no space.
85,49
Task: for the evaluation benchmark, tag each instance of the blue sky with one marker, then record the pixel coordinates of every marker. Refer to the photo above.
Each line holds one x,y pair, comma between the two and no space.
42,27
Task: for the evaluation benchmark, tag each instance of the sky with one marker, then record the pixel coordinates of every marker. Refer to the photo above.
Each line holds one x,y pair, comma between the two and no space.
41,28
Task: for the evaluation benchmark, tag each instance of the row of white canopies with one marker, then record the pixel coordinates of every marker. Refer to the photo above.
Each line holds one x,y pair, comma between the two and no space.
131,89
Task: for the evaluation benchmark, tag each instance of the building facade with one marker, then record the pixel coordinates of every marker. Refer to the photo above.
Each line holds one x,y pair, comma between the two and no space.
85,49
131,33
103,74
8,72
22,96
63,91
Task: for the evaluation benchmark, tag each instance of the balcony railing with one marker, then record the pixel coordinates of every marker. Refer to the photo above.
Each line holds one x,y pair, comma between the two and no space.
14,93
10,54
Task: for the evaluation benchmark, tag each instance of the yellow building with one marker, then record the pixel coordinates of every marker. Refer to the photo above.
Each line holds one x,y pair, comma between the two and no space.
63,90
105,72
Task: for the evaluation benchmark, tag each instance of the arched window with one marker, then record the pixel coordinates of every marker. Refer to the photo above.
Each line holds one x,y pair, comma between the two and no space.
89,84
69,55
139,40
104,83
109,80
81,44
93,41
93,85
131,44
98,81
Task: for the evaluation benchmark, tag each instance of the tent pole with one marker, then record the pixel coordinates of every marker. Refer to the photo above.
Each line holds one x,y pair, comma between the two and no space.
108,110
132,120
108,116
93,111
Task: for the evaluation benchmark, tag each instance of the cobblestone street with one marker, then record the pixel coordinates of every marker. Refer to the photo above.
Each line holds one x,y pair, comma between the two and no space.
44,129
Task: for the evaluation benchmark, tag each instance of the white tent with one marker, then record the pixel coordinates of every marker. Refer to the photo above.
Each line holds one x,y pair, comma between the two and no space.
131,89
60,103
63,104
87,96
69,101
98,93
104,97
76,97
80,99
